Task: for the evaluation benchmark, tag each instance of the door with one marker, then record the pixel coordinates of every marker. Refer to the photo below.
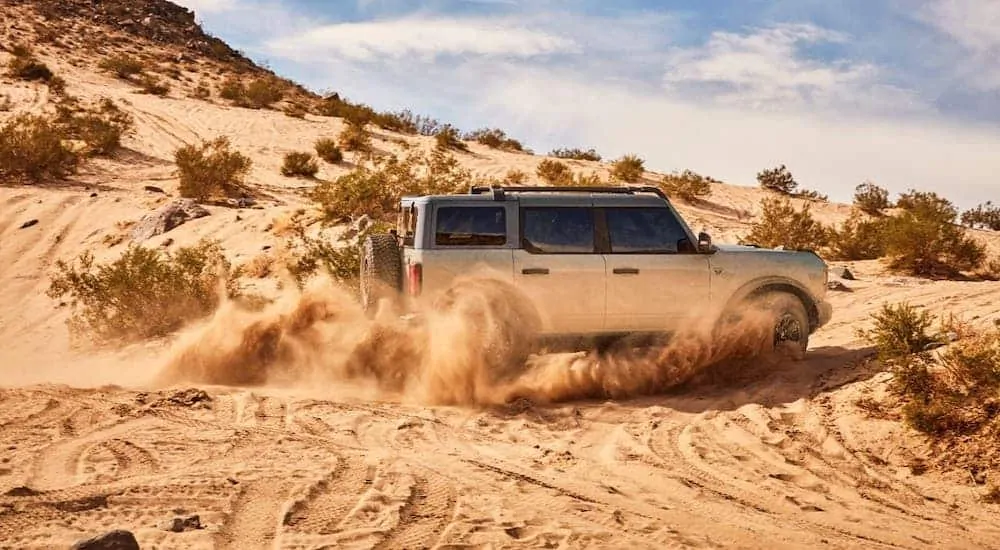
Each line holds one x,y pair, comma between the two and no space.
656,279
559,267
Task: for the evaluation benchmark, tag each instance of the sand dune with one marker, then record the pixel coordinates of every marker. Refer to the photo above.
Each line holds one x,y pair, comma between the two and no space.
775,457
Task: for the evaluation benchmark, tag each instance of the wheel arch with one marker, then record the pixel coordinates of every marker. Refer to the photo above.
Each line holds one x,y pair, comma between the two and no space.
761,287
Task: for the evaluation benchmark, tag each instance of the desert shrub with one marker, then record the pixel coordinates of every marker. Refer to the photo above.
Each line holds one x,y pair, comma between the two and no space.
515,177
341,263
870,198
262,92
777,179
32,148
554,172
355,137
687,185
984,216
859,238
629,169
587,180
57,85
448,138
145,293
232,89
416,124
495,138
780,224
123,66
899,330
202,91
576,154
809,194
295,110
211,168
974,363
5,103
100,127
376,190
152,85
924,240
300,164
29,68
327,150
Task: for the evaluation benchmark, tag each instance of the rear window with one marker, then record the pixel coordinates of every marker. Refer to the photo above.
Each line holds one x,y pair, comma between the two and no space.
471,226
558,230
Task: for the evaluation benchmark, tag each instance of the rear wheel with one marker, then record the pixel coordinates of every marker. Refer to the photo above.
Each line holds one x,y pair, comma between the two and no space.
381,270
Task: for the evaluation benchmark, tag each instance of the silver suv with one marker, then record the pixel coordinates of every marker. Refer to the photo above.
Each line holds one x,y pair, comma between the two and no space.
595,262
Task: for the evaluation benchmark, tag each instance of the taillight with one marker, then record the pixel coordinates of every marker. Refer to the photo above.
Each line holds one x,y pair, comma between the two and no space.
415,273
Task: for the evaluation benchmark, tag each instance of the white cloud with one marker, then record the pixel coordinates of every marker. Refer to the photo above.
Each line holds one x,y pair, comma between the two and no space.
975,26
423,38
765,69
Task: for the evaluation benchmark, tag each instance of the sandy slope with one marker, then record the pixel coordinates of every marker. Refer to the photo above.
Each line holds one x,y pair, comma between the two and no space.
779,458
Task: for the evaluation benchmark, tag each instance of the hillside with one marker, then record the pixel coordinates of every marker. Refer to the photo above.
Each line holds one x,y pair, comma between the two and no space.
778,457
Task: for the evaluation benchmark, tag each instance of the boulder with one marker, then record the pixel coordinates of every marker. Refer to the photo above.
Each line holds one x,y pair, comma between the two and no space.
845,274
181,524
167,218
114,540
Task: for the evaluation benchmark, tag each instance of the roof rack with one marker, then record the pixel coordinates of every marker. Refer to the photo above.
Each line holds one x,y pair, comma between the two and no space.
499,190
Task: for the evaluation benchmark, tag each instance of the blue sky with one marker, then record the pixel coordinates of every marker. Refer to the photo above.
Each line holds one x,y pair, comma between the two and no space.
900,92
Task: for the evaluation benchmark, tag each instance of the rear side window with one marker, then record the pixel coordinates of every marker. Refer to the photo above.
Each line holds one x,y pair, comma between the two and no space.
558,230
643,231
471,226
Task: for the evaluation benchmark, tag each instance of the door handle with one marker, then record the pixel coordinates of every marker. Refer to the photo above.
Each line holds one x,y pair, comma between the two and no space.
535,271
626,271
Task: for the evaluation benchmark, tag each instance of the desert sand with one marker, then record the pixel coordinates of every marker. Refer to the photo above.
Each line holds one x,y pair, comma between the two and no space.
776,456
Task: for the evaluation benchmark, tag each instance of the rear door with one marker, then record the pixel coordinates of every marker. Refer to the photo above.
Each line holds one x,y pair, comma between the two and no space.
559,266
467,238
656,279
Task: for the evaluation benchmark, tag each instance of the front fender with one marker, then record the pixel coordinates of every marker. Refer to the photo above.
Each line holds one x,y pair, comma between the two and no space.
763,285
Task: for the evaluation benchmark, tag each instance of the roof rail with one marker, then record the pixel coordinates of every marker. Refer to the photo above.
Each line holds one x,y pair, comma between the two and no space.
499,190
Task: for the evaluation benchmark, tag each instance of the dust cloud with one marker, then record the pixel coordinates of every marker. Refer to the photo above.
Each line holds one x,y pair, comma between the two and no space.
470,346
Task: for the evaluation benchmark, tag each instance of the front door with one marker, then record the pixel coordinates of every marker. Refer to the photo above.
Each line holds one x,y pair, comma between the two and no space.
559,267
656,279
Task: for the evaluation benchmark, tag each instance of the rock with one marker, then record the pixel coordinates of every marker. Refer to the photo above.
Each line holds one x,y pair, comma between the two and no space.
167,218
181,524
114,540
92,195
166,242
153,189
21,491
845,274
29,223
837,285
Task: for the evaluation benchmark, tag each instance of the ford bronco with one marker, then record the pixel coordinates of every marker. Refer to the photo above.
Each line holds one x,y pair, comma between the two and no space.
598,262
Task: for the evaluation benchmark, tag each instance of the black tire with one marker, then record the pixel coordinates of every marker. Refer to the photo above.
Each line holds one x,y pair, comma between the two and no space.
789,322
381,271
503,320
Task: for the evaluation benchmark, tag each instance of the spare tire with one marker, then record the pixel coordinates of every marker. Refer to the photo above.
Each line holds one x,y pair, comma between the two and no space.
381,270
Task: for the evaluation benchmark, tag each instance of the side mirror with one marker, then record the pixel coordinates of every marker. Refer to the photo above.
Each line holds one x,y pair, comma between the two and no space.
704,243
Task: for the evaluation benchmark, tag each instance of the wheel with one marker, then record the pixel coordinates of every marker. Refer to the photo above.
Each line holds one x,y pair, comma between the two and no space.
498,321
788,321
381,270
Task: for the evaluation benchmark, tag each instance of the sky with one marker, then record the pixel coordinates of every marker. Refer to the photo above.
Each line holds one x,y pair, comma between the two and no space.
903,93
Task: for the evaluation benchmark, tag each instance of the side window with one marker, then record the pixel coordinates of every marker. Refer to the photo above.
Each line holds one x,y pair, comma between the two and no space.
471,226
644,231
558,230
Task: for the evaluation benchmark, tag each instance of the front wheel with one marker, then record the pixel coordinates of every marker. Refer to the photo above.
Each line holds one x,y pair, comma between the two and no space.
789,326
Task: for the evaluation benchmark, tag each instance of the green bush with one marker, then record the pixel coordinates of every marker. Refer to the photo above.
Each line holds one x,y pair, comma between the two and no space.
211,168
984,216
780,224
554,172
448,138
687,185
629,169
101,128
871,199
29,68
777,179
300,164
341,263
123,66
576,154
152,85
495,138
859,238
143,294
327,150
898,331
32,148
355,137
262,93
923,239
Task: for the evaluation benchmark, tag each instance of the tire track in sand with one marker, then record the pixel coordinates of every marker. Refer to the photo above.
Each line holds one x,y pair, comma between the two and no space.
255,518
426,515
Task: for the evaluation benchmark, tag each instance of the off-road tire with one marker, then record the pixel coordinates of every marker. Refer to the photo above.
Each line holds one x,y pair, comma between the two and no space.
381,271
504,321
789,335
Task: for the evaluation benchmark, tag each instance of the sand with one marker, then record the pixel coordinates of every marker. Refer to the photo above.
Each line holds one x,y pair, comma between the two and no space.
775,456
